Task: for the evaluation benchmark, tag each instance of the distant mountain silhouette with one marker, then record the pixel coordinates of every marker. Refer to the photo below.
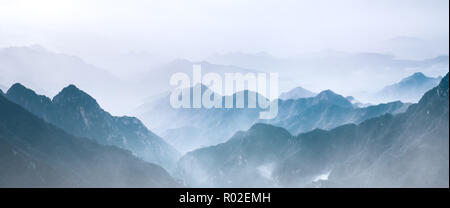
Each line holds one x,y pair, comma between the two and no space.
79,114
409,149
331,66
34,153
324,59
409,89
29,64
406,150
188,129
157,80
327,110
296,93
261,60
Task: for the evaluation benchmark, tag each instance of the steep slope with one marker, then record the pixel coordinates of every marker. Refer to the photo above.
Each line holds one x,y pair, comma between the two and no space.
296,93
245,160
79,114
34,153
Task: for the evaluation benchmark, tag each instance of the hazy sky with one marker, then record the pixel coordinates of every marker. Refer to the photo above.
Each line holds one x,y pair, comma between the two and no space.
194,29
103,32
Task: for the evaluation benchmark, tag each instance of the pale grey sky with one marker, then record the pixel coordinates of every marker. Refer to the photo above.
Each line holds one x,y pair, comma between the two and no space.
94,29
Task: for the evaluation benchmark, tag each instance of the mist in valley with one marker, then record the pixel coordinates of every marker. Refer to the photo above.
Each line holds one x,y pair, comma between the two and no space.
363,93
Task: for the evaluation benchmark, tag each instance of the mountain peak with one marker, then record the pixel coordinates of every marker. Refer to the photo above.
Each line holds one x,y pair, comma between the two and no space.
418,74
332,97
297,93
74,96
267,129
71,90
17,86
326,94
415,77
409,89
72,87
328,91
18,89
27,98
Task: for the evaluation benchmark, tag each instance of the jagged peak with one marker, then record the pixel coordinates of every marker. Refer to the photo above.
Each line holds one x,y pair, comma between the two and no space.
17,86
332,97
415,76
73,94
27,97
19,89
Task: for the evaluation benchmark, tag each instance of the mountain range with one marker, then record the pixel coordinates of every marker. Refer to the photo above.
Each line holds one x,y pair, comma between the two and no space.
317,139
405,150
189,128
409,89
409,149
157,79
326,59
326,69
79,114
327,110
27,64
34,153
